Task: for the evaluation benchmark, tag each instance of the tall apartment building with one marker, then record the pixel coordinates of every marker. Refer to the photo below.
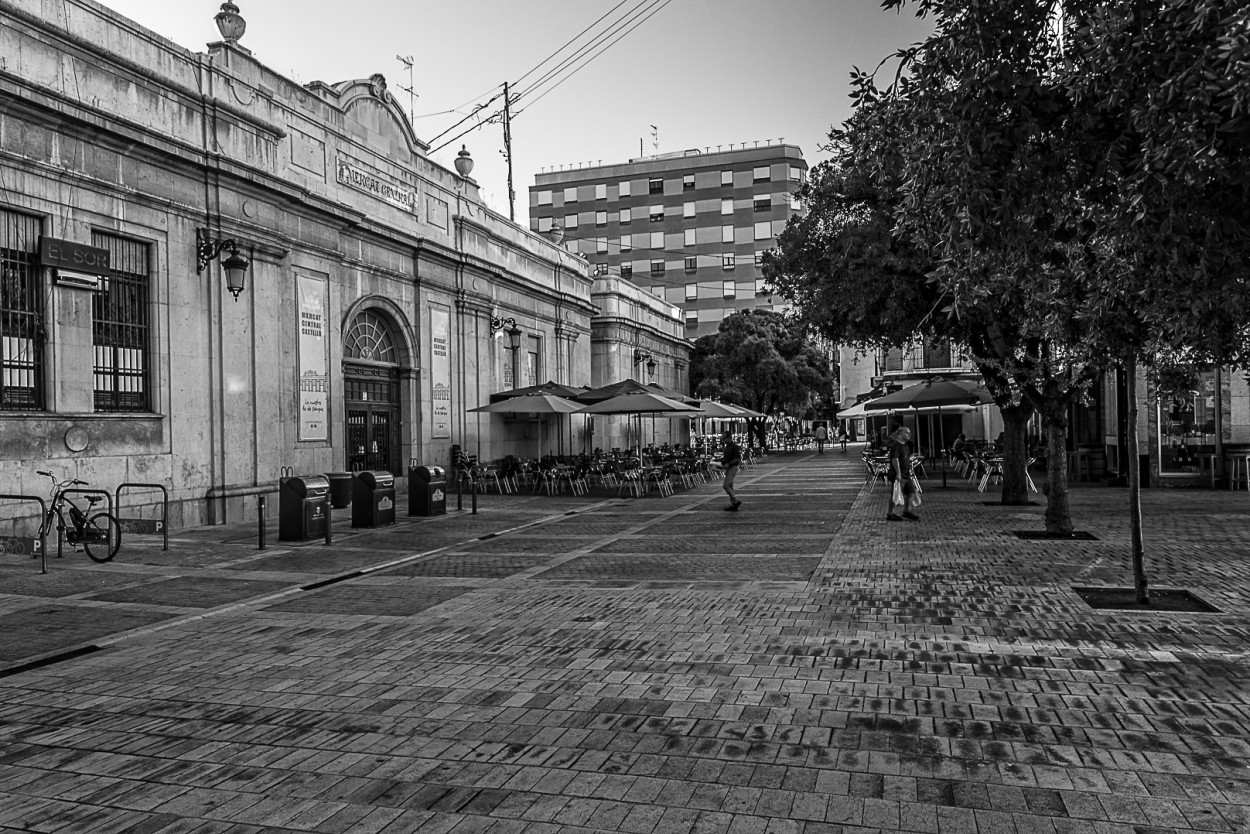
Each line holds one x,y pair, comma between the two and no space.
690,227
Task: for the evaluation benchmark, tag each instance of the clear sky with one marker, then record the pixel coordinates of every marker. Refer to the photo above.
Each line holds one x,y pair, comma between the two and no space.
703,72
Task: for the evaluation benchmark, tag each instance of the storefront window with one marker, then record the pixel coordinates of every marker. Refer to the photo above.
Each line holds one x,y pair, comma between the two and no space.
1188,421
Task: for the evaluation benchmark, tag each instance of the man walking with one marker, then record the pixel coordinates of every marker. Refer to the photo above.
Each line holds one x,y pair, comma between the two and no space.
900,475
731,460
822,434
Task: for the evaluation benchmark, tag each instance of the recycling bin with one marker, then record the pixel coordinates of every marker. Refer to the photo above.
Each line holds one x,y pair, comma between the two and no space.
427,490
340,489
373,499
302,511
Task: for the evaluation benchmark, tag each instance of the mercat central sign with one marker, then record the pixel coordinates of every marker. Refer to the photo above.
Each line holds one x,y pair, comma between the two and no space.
362,180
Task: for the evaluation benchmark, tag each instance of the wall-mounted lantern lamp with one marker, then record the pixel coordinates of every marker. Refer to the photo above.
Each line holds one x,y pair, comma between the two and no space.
514,332
555,234
641,356
235,266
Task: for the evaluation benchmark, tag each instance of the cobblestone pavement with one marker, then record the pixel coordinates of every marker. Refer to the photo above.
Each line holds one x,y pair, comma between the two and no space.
575,664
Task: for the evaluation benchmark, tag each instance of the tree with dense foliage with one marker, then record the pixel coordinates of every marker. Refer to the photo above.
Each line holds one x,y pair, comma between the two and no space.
1159,96
1085,160
766,362
857,282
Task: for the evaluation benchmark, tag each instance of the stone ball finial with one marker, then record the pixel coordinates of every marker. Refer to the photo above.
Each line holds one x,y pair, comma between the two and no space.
230,23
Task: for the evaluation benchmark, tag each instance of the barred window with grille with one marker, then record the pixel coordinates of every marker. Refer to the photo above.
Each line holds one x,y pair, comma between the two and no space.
22,333
120,327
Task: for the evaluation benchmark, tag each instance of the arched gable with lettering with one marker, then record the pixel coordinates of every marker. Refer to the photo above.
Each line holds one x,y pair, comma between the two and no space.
369,103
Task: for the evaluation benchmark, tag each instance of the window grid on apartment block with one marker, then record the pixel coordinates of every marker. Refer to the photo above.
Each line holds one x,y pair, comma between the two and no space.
119,328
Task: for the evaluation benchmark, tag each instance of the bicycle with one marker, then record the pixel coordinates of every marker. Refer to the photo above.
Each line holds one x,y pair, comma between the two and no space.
100,535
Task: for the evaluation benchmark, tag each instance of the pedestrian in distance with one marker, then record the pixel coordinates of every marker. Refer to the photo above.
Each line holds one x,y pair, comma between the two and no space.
731,460
842,439
902,485
822,434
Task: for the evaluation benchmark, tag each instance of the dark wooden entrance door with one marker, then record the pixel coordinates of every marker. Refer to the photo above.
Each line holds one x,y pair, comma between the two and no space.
372,405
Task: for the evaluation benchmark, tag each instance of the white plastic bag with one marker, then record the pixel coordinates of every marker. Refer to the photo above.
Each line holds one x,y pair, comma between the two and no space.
896,496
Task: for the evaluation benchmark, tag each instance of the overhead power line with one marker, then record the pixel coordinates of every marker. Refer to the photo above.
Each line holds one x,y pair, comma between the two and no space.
565,69
568,43
553,79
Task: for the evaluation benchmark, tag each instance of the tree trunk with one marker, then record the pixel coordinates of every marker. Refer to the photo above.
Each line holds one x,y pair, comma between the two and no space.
1015,454
1134,484
1058,506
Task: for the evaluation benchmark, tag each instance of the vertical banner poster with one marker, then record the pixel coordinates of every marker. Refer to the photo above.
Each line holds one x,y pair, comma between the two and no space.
440,373
314,384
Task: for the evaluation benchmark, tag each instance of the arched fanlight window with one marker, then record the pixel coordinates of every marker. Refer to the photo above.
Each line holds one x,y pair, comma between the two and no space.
370,339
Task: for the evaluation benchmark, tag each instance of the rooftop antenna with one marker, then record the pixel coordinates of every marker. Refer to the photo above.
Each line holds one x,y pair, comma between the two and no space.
655,138
412,95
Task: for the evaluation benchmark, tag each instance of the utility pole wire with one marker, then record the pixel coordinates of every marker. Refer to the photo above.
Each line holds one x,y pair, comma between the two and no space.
571,40
632,15
588,59
533,87
475,112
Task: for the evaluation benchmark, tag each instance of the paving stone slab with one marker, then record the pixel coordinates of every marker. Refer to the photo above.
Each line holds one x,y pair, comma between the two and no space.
190,592
50,628
936,676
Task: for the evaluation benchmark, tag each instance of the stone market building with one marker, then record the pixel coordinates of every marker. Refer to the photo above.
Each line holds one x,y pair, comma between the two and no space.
210,273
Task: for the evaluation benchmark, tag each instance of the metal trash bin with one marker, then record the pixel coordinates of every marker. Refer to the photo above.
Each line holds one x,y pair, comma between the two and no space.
373,499
427,490
302,511
340,489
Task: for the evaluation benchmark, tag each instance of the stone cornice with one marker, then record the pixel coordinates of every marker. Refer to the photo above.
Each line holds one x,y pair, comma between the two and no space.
104,58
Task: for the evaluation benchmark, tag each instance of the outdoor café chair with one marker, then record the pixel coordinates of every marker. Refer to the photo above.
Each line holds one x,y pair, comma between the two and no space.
631,482
993,469
658,477
917,463
878,468
1029,478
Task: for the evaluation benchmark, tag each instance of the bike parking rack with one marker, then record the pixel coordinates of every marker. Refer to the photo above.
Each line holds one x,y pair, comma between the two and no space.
108,496
43,513
164,507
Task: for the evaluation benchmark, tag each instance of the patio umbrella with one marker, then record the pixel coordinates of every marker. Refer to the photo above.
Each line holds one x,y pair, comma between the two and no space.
857,410
719,410
531,404
932,395
615,389
949,393
554,388
641,402
672,394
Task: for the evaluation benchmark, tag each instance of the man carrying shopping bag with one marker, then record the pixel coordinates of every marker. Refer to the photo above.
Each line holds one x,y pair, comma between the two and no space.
902,483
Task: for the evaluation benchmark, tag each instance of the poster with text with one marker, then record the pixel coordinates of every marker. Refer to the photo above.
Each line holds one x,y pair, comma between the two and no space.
440,373
314,384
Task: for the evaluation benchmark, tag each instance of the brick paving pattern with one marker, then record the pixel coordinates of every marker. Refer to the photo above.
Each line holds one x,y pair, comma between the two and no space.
650,665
